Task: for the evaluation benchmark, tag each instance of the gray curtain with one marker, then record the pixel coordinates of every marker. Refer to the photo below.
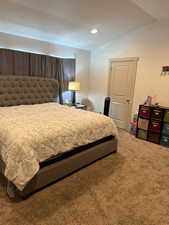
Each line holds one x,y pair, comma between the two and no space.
29,64
37,65
63,80
20,59
6,62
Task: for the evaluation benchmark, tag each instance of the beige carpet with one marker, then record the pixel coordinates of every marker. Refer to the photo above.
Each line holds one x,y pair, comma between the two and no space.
127,188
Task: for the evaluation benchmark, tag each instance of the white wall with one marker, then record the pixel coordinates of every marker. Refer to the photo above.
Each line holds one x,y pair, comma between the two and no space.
42,47
151,45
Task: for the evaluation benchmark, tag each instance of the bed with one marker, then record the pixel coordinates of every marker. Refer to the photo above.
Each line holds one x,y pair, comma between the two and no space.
42,141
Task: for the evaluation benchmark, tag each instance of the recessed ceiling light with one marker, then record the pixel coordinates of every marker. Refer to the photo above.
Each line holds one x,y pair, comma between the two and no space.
94,31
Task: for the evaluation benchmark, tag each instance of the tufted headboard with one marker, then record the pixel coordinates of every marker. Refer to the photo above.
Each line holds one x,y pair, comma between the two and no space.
27,90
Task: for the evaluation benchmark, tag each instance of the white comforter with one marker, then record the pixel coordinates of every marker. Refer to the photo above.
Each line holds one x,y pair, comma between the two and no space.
30,134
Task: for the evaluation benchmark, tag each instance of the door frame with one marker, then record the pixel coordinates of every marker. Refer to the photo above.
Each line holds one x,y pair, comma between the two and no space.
127,59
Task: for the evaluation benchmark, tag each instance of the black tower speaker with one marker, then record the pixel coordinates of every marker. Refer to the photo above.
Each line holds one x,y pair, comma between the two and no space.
106,106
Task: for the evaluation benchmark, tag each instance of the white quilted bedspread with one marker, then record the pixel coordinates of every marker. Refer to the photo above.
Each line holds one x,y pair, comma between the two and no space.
30,134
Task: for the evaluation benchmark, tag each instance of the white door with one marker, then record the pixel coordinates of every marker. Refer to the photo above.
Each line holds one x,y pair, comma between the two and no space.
121,90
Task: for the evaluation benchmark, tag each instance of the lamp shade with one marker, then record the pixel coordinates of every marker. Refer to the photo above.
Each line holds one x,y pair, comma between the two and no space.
74,86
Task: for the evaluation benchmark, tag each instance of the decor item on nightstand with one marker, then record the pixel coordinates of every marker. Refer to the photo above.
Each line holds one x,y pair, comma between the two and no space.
74,86
153,124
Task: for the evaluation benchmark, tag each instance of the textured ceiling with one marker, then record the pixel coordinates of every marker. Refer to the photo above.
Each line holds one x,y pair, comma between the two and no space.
68,22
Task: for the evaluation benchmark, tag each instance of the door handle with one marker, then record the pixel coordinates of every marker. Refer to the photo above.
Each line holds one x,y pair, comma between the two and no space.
128,101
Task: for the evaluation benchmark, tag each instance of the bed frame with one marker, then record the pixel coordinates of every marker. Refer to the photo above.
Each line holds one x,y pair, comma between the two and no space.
17,90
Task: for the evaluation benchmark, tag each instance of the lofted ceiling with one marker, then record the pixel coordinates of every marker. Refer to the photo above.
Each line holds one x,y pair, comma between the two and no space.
68,22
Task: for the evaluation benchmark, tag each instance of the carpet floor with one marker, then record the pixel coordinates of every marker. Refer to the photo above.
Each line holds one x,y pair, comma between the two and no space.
130,187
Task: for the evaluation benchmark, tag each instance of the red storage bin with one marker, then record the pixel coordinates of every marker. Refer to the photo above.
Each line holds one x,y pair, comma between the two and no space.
144,112
155,126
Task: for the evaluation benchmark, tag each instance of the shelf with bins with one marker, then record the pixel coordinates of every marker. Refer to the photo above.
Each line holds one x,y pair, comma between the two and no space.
153,124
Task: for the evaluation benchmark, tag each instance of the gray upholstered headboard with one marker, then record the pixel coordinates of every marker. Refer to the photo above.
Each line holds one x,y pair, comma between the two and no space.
27,90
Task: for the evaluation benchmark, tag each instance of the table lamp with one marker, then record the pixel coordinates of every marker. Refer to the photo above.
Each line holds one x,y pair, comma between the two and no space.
74,86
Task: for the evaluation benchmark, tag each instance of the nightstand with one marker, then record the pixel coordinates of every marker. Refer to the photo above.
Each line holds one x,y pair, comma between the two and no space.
77,106
80,106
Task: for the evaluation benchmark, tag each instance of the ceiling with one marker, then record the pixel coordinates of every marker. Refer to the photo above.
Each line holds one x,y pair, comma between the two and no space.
158,9
68,22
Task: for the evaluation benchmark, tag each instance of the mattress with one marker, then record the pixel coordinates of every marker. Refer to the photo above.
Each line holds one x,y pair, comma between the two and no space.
31,134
